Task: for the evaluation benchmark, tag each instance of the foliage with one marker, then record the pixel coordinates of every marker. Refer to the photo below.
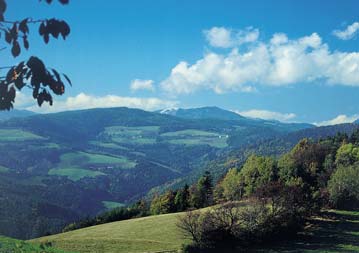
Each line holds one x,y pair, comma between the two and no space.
31,73
139,209
257,171
347,154
344,186
232,185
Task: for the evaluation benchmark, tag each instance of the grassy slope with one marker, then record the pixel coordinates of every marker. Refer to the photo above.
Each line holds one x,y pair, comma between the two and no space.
335,231
17,135
149,234
74,165
8,245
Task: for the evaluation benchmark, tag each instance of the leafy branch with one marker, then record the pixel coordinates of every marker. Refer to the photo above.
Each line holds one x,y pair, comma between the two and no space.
31,73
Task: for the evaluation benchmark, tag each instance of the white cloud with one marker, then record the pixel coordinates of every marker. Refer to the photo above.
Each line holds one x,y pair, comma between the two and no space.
278,62
348,33
139,84
267,115
84,101
340,119
227,38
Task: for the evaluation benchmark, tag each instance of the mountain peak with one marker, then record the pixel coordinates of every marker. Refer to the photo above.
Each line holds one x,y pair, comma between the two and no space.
207,112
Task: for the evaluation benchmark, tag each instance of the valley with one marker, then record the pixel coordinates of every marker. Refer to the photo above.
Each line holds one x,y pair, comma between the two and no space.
58,168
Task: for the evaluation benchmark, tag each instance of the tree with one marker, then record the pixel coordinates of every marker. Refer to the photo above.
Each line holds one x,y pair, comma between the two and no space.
232,185
303,162
257,171
205,189
347,155
31,73
181,201
344,186
164,203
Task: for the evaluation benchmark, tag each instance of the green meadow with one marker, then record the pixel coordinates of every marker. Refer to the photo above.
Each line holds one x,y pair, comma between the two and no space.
12,135
76,165
196,137
9,245
333,232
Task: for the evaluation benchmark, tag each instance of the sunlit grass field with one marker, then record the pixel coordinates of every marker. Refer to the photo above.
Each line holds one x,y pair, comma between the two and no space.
11,135
77,165
149,234
8,245
334,231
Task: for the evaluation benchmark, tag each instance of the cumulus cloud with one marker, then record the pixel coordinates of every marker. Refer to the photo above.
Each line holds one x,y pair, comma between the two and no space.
279,62
226,38
267,115
84,101
139,84
340,119
348,33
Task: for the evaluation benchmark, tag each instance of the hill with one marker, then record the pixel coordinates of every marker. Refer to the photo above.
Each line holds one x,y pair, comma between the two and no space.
5,115
60,167
209,112
149,234
160,234
8,245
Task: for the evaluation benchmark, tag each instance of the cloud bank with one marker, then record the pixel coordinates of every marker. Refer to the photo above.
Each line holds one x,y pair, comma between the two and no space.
340,119
267,115
84,101
278,62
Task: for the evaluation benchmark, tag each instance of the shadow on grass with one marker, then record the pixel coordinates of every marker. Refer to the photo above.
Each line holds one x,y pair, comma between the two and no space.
333,231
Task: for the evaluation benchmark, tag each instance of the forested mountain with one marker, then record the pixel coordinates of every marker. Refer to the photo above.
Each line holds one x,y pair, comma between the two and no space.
59,167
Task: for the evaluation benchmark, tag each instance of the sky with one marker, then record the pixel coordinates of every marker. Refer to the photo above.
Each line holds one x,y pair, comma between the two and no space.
293,61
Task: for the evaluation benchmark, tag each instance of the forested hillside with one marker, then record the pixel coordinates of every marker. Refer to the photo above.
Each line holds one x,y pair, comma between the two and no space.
58,168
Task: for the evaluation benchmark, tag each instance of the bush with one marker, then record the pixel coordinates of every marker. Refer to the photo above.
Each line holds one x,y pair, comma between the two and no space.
343,187
276,211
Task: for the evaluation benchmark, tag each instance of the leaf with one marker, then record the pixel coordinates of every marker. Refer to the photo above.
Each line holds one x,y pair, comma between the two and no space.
8,37
65,29
15,50
46,38
23,26
67,79
10,75
12,94
64,1
35,64
2,7
42,29
14,31
57,75
26,43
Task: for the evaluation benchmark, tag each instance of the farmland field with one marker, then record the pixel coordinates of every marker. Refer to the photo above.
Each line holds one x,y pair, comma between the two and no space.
3,169
132,135
196,137
111,204
12,135
74,173
78,165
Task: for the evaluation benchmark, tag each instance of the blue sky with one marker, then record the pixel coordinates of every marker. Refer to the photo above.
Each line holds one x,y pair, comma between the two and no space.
269,59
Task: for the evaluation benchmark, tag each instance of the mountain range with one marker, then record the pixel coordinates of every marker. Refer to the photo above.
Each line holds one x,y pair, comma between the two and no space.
57,168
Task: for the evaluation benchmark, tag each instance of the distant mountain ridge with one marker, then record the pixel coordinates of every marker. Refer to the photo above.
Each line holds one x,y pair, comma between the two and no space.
214,112
208,112
5,115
